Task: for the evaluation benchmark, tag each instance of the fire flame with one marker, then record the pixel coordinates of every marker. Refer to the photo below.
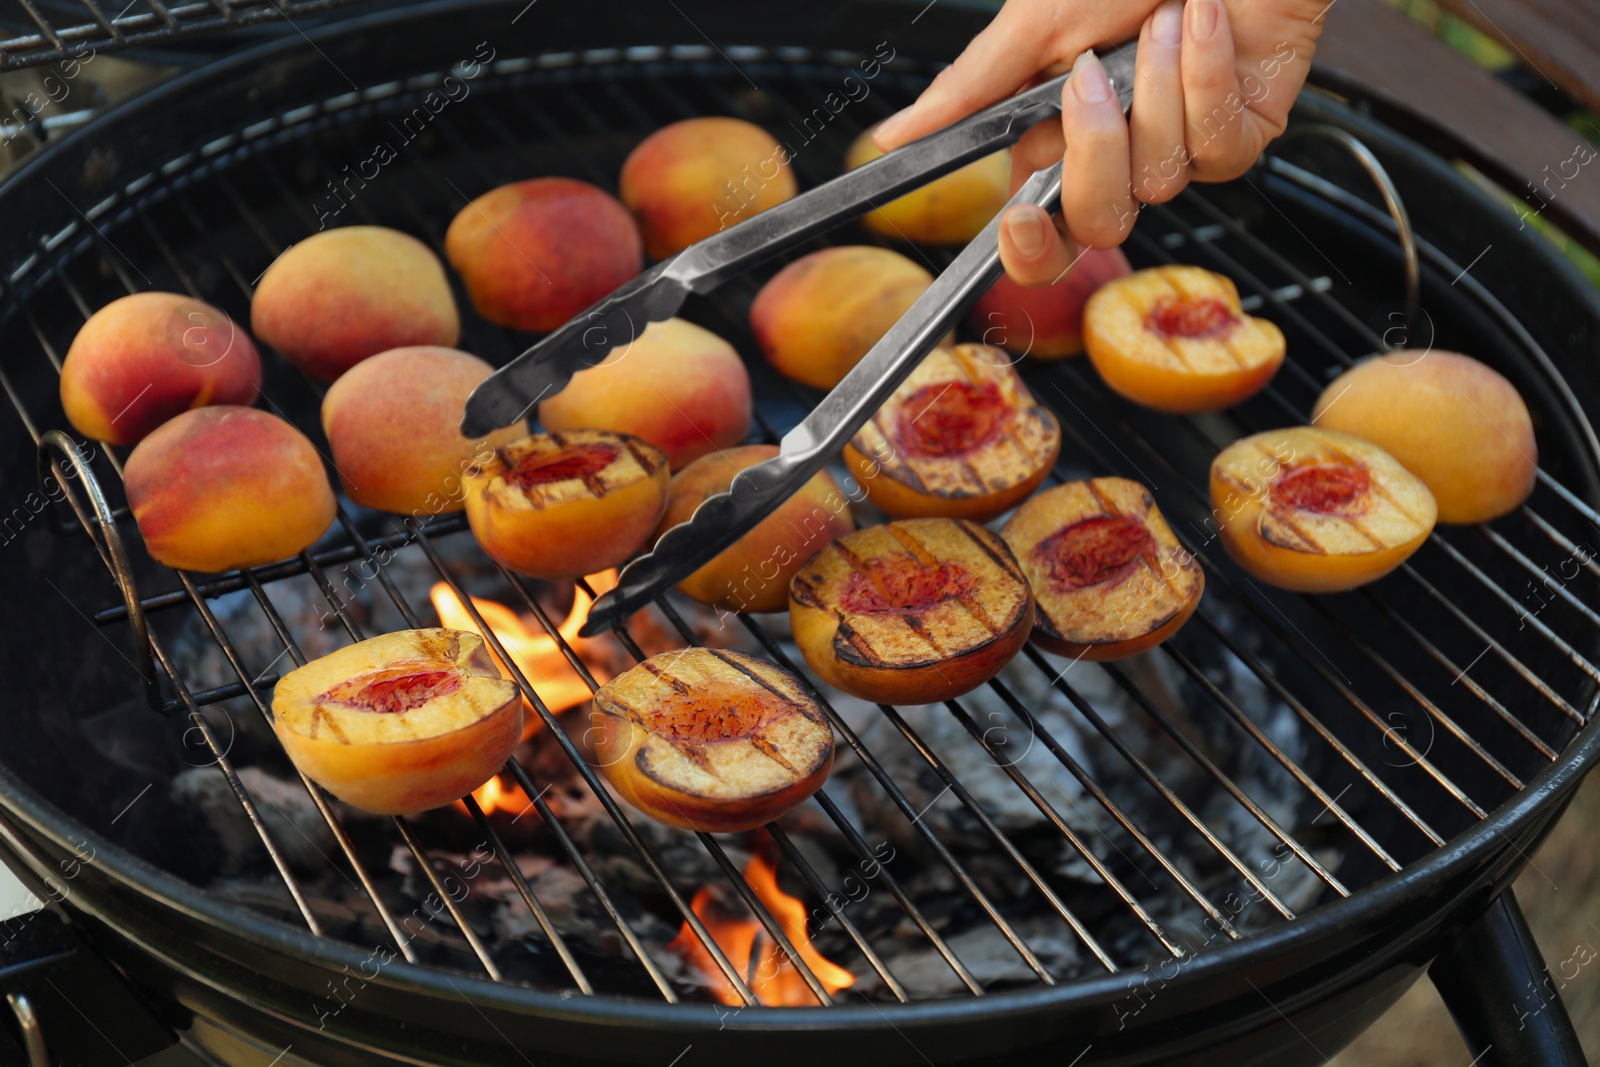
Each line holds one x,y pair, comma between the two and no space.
533,650
499,795
765,966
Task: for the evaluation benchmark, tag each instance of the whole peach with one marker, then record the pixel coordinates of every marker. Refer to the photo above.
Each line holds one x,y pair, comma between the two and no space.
342,295
394,425
678,386
144,358
221,488
951,210
694,178
533,254
1046,321
753,573
819,315
1452,421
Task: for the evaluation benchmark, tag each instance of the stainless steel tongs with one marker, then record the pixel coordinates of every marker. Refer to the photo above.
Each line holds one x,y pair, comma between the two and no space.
720,520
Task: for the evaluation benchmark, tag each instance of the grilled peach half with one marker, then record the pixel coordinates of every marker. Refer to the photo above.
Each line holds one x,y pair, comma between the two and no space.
1453,422
962,438
1109,578
399,723
1317,511
562,505
911,612
1175,339
710,739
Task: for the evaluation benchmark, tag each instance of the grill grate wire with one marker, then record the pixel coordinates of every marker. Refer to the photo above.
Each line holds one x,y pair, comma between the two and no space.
512,118
34,34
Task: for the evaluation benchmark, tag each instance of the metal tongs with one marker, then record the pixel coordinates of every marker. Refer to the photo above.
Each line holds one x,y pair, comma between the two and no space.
511,392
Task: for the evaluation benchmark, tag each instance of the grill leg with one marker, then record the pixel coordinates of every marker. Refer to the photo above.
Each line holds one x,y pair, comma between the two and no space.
1504,999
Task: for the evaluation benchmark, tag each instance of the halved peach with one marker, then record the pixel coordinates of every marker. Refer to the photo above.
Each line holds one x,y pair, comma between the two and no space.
819,315
699,176
962,438
1315,510
1046,321
399,723
393,423
562,505
710,739
146,357
951,210
677,385
342,295
1453,422
1176,339
1109,578
223,487
911,612
753,573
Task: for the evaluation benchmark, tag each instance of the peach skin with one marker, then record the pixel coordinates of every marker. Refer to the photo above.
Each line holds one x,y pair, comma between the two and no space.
697,177
221,488
753,573
535,253
400,723
393,423
678,386
342,295
144,358
818,316
951,210
1045,321
1450,420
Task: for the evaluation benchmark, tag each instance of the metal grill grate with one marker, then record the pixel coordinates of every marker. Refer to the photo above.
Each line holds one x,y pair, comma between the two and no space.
1341,664
38,32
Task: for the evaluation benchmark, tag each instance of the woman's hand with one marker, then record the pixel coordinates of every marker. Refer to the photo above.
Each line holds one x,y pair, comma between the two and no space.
1214,85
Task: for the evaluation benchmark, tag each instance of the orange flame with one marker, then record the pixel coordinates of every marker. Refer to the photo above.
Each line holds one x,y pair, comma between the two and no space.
773,979
498,795
534,651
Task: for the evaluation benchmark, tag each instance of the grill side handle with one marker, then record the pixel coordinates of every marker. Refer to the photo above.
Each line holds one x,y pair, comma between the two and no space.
1503,996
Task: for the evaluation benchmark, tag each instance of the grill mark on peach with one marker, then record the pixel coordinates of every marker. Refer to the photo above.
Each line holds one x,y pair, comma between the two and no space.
644,460
769,750
851,647
1379,488
678,685
805,593
1007,565
321,715
752,675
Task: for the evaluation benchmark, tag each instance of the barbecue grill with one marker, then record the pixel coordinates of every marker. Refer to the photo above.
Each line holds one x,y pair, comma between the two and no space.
1437,721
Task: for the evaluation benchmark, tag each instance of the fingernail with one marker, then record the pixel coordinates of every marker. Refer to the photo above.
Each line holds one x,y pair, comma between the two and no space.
888,126
1202,19
1167,26
1089,79
1026,232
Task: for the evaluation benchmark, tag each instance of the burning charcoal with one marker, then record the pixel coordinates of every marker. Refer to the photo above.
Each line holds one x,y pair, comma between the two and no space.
291,819
987,954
